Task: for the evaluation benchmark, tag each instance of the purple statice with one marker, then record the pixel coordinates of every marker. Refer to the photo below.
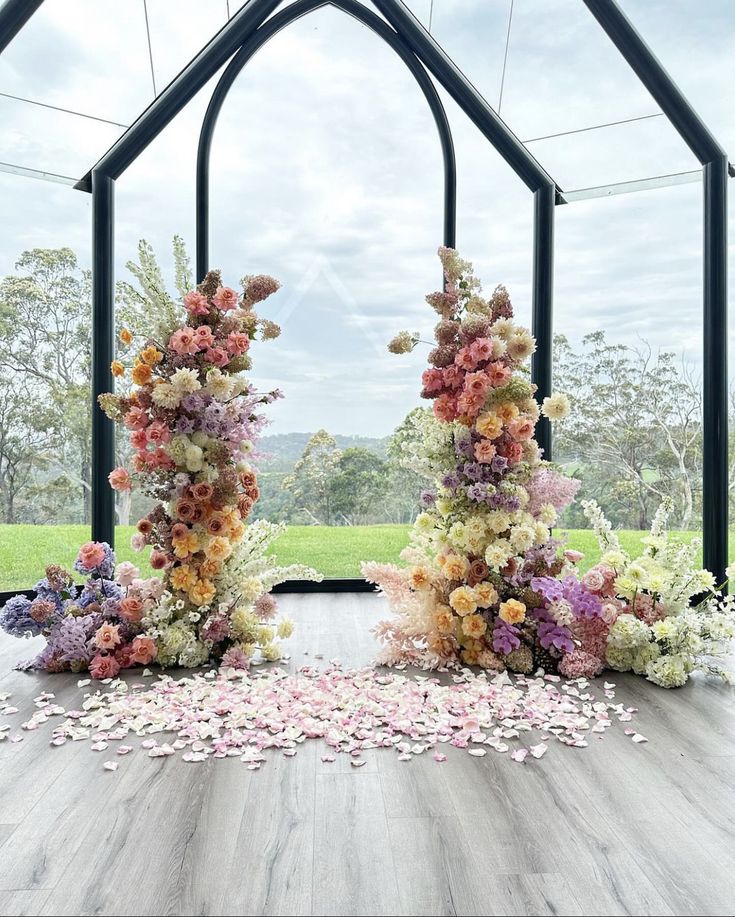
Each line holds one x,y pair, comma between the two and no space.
16,620
428,498
505,637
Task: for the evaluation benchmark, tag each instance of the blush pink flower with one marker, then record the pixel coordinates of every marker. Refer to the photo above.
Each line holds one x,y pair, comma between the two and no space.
135,419
158,432
445,408
184,341
107,637
573,557
499,374
158,559
196,303
218,356
453,376
144,650
477,383
91,555
521,428
238,342
104,667
432,380
138,439
470,404
131,609
225,299
481,349
465,359
594,580
485,451
120,479
514,453
203,337
138,541
125,573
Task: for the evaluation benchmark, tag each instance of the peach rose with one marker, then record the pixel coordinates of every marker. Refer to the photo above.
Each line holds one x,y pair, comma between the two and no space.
91,555
196,303
521,428
202,492
131,609
499,374
217,355
238,342
120,479
107,636
184,341
203,336
104,667
485,451
185,510
225,299
144,650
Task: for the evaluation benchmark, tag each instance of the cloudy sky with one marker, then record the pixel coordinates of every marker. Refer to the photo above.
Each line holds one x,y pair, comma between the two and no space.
326,172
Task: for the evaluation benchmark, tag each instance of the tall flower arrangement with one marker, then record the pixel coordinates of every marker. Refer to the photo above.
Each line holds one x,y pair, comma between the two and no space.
484,535
485,583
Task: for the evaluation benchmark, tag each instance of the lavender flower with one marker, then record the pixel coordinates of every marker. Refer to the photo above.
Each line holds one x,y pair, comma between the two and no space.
16,620
505,637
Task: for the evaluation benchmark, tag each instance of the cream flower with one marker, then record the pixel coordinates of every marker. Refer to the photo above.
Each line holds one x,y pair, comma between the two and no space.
218,385
186,381
474,626
463,600
521,345
556,406
166,396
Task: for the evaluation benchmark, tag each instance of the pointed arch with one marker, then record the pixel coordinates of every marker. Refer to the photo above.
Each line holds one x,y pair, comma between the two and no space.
252,45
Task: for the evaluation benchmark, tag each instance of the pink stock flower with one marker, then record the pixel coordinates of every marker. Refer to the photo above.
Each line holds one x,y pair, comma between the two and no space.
120,479
135,419
91,555
225,299
104,667
184,341
499,374
218,356
203,337
238,342
196,303
485,451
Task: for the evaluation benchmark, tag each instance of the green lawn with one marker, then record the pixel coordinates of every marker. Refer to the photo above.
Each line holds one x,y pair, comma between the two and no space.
336,552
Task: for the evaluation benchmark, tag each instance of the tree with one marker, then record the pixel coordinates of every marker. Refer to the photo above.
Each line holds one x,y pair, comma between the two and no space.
311,482
359,485
19,443
45,317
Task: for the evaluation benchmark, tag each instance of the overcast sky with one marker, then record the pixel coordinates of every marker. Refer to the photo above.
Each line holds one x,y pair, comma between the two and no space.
326,172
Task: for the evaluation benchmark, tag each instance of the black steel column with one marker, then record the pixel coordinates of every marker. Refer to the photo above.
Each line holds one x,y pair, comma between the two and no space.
715,494
103,352
13,16
543,305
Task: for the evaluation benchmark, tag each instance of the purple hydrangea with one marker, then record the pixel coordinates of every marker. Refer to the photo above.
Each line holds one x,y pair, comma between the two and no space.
16,620
71,640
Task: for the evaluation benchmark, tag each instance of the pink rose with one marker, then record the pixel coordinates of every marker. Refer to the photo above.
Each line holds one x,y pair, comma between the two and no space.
225,299
481,349
470,404
453,376
104,667
238,342
131,609
91,555
144,650
218,356
514,453
203,337
521,428
445,408
158,432
158,560
184,341
108,637
499,374
432,380
573,557
594,580
465,359
196,303
126,573
120,479
476,383
485,451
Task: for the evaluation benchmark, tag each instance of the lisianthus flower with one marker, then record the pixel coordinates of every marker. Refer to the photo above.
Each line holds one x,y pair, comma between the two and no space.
196,303
432,380
225,299
506,411
120,479
157,432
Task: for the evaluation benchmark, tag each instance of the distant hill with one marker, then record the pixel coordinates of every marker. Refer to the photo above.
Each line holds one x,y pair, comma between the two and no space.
285,449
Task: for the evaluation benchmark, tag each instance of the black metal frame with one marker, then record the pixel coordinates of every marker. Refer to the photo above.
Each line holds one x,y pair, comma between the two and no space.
245,32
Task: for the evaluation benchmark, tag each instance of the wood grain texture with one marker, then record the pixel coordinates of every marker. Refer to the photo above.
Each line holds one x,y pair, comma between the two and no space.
613,829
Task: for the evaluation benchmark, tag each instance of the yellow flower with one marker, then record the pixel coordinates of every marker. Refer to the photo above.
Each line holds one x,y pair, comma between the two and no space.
486,594
506,411
455,567
183,578
126,336
218,548
420,577
117,369
474,626
512,611
151,355
202,593
463,601
444,619
489,425
189,544
210,568
141,374
285,628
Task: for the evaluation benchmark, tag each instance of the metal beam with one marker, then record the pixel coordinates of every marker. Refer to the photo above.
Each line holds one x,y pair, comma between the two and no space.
251,46
702,143
543,306
103,353
180,91
13,16
630,187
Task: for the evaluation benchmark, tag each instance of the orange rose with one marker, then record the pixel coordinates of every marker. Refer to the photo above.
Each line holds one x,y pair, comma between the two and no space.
141,374
126,336
151,356
117,369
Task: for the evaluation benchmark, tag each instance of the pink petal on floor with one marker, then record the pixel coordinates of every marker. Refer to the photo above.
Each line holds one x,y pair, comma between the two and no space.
439,756
519,754
110,765
538,751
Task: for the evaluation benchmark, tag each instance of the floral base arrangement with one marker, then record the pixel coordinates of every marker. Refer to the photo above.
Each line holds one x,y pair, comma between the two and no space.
193,420
486,583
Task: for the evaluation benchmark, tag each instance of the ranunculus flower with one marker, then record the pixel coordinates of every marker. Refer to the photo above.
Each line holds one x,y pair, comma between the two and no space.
91,555
196,303
225,299
120,479
104,667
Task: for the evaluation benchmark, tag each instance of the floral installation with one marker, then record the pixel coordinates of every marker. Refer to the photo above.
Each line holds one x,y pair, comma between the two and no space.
193,421
486,583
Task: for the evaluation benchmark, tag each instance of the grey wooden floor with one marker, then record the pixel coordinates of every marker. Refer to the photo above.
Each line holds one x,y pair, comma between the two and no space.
615,828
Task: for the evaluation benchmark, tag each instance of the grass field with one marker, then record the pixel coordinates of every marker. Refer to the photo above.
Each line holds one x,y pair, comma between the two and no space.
336,552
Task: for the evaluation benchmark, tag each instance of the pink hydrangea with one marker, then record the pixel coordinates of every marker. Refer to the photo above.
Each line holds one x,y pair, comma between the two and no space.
579,664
